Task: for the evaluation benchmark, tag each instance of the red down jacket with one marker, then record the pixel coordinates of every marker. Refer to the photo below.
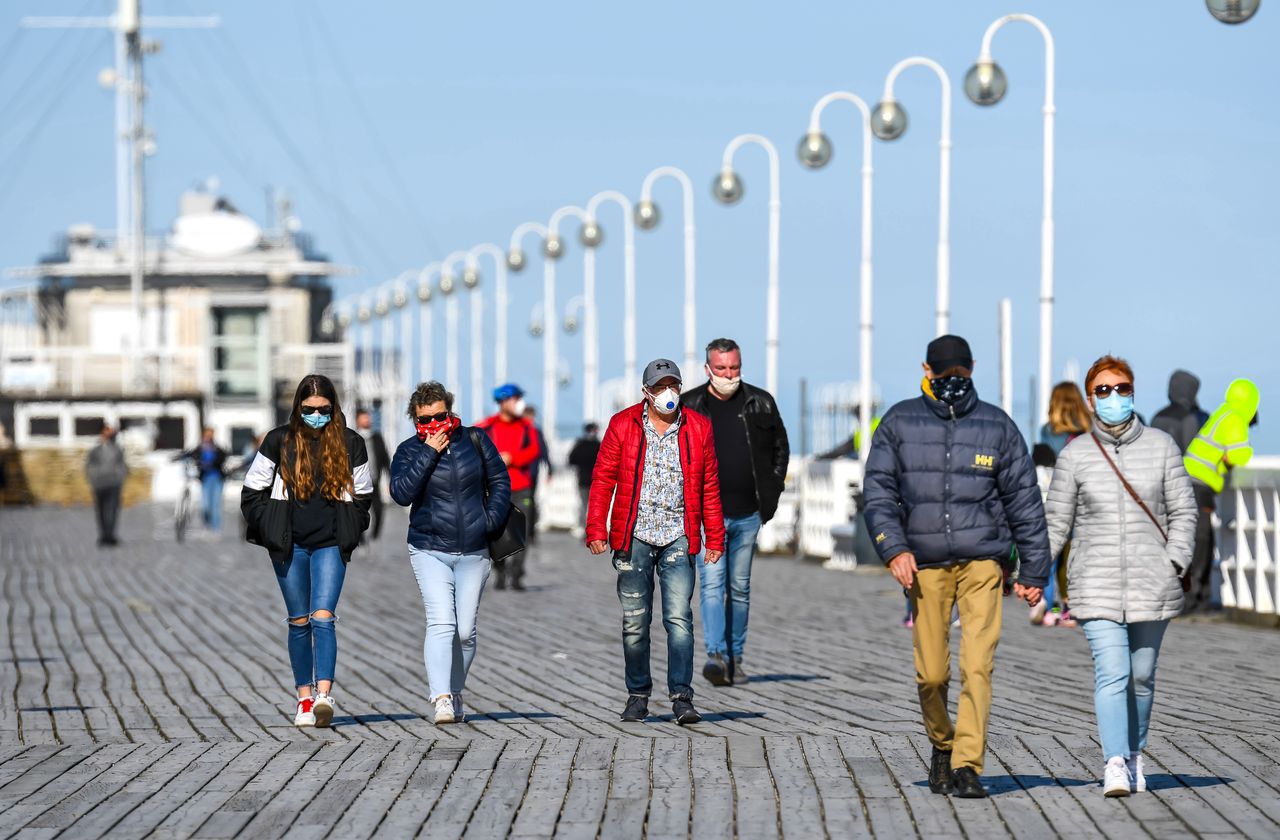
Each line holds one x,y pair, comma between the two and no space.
619,469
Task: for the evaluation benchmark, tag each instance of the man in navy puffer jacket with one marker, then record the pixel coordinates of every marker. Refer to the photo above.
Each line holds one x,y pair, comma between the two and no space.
949,490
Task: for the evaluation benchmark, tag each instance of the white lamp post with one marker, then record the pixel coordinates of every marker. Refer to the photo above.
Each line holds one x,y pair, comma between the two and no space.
815,152
364,345
985,84
552,250
501,304
449,285
888,122
516,261
592,235
471,281
647,217
728,189
426,361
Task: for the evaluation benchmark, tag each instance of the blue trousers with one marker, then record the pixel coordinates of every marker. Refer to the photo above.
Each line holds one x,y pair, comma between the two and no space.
724,614
1124,676
311,581
674,569
451,586
211,496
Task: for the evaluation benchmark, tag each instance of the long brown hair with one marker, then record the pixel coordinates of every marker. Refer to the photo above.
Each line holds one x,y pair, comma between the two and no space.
1067,411
296,465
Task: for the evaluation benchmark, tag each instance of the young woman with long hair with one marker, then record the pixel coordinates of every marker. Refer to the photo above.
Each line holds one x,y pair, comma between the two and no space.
306,500
459,493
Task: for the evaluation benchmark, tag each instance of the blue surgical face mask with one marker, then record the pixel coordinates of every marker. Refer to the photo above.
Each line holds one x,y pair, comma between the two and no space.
1113,410
317,420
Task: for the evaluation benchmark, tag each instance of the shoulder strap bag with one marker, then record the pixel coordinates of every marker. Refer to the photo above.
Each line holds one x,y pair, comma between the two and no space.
509,539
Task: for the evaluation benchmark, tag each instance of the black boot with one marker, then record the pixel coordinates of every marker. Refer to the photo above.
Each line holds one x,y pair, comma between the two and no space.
967,784
684,711
715,670
637,708
940,771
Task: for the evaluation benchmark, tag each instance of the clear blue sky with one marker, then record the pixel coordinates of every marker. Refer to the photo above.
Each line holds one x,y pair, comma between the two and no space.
427,127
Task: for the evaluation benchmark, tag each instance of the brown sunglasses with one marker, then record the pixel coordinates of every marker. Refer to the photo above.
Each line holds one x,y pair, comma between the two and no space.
1124,389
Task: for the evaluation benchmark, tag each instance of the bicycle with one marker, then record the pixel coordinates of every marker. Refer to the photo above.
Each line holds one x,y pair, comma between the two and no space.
186,499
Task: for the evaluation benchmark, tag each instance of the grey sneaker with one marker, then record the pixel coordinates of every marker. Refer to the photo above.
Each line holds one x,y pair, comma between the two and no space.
739,672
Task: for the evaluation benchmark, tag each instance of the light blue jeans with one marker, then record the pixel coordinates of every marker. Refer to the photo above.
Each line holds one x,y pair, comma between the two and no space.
211,496
451,586
724,620
1124,673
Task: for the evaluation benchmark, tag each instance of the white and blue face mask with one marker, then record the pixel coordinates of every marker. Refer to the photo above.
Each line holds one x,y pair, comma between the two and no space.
1114,409
666,401
316,418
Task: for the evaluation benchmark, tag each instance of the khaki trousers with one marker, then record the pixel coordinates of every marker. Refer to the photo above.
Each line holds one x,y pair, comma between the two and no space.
976,587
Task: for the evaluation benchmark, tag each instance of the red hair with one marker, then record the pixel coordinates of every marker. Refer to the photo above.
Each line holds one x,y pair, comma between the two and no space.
1105,364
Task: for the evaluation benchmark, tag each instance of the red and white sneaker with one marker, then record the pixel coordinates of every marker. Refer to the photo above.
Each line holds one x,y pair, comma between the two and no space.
323,709
305,715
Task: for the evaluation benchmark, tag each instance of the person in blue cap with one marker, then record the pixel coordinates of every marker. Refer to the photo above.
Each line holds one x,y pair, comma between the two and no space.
516,440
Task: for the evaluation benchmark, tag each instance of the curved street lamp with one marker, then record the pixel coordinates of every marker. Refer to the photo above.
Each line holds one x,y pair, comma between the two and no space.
815,152
592,235
985,84
727,189
426,361
516,261
448,286
888,122
647,218
472,279
1232,11
552,250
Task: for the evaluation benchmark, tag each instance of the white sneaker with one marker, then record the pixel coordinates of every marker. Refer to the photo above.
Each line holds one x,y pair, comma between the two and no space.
459,714
305,715
444,709
1115,779
323,709
1134,765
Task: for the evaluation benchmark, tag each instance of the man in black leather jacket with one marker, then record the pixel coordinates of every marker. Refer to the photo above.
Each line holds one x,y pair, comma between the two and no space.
753,453
950,490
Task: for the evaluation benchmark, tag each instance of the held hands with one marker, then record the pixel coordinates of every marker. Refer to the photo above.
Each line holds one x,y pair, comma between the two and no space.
712,556
438,441
598,546
1030,594
903,569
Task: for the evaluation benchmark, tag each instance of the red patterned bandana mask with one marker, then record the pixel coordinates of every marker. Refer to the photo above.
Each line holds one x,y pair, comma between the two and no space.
435,427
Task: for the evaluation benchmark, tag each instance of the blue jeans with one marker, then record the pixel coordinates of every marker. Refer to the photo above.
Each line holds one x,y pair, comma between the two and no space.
451,586
211,494
1124,669
674,567
311,581
724,625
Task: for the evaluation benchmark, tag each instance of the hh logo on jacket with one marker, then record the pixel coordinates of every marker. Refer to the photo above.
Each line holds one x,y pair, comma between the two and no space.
984,462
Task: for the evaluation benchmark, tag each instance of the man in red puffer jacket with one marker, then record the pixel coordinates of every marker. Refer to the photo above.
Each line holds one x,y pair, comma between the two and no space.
657,466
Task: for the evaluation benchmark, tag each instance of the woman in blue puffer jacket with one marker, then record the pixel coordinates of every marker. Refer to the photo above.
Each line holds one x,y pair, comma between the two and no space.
458,492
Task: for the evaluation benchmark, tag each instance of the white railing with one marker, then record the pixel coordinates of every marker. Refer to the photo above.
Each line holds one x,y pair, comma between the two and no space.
87,371
1249,540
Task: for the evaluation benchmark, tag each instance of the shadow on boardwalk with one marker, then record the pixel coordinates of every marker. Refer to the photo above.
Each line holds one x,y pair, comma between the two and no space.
121,717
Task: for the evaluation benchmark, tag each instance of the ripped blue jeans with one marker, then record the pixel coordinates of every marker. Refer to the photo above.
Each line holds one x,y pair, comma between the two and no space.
674,567
311,581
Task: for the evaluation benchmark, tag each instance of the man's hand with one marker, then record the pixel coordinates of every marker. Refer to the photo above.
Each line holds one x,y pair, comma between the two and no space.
903,568
1030,594
506,459
598,546
712,556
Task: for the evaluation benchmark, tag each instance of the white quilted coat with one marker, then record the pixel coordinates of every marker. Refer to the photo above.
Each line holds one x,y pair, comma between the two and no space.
1119,567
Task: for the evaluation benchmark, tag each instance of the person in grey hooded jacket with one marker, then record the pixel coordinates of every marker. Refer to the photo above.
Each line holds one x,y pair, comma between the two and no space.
1127,558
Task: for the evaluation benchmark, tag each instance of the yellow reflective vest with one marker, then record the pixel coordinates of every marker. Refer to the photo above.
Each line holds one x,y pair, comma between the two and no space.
1223,441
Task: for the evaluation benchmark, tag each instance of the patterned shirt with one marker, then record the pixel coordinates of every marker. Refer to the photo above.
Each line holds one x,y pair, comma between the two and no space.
660,518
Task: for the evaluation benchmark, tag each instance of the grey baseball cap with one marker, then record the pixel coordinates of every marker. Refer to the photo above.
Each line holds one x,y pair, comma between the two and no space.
658,370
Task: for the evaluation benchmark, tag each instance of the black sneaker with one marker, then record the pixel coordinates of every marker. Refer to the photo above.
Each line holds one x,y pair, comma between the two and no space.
499,582
518,586
967,784
715,670
637,709
685,712
940,772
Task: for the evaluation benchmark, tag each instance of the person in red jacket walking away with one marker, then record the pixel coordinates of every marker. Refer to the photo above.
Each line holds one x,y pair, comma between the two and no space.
657,467
516,440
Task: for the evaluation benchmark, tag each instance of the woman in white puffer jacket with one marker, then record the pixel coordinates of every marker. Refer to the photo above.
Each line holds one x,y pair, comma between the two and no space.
1126,558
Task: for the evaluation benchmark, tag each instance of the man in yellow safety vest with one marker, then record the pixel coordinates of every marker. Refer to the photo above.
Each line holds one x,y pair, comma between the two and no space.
1223,443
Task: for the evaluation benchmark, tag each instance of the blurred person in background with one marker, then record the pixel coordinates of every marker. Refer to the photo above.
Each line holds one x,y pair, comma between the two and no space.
105,469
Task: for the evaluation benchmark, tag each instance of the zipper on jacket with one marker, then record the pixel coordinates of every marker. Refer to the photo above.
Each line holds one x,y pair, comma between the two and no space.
1124,528
634,514
946,480
751,458
457,503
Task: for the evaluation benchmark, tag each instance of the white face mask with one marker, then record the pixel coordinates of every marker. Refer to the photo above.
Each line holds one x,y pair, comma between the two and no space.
723,385
666,401
518,408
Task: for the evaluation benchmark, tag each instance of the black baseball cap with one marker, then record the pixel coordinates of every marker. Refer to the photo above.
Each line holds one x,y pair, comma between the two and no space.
948,351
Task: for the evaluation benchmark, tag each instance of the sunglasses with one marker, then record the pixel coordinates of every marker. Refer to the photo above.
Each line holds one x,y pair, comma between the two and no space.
433,418
326,410
1124,389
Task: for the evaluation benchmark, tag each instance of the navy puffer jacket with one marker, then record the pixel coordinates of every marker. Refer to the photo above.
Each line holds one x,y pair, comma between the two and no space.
445,492
951,484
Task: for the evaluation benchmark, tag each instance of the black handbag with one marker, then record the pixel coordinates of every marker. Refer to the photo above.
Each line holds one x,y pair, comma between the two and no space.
508,540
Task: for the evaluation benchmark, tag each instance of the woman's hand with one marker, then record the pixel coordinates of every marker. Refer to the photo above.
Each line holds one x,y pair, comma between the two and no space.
438,441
